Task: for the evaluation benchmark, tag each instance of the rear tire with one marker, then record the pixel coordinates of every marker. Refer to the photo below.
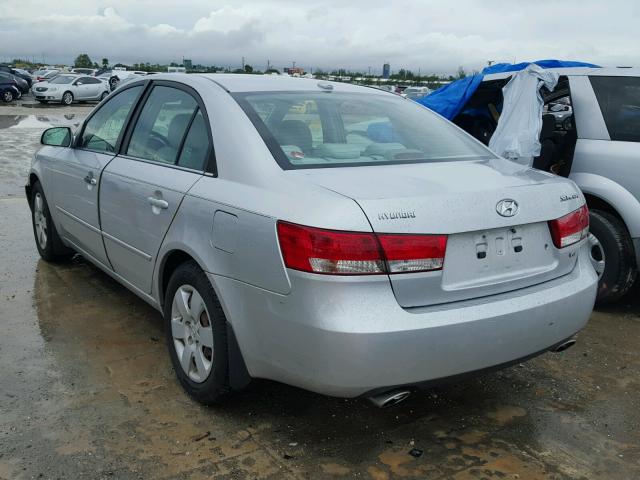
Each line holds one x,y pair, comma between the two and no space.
7,96
612,245
48,242
104,95
190,326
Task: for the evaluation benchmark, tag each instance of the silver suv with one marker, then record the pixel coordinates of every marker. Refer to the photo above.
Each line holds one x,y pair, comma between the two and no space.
590,133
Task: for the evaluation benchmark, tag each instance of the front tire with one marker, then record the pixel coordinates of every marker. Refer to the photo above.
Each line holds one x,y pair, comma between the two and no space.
196,334
7,96
48,242
67,98
104,95
612,254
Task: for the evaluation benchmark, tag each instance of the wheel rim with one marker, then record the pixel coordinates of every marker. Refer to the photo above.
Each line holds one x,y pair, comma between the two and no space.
40,221
596,255
7,96
192,333
67,98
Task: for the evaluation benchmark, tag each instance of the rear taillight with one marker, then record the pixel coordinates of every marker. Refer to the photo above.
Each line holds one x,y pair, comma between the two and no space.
571,228
334,252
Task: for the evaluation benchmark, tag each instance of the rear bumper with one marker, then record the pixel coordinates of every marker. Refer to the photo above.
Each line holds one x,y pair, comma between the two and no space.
346,337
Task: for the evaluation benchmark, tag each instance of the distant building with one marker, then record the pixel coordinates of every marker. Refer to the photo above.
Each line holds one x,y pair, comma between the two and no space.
186,63
386,70
176,70
294,70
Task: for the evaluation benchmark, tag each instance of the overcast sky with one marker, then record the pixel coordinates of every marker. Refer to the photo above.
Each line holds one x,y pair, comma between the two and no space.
434,36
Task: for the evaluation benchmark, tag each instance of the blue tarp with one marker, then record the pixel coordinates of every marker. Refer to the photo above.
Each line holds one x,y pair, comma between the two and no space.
449,100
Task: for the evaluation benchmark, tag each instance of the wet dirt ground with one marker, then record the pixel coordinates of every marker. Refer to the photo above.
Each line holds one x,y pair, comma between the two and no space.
87,390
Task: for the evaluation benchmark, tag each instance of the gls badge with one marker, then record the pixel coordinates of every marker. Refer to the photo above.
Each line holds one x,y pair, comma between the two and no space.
507,207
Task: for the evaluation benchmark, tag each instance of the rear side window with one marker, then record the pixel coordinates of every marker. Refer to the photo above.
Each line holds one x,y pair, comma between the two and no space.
619,100
103,129
162,125
195,149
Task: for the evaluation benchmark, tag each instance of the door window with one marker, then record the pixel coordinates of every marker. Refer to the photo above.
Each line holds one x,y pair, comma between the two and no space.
619,99
162,125
195,150
103,129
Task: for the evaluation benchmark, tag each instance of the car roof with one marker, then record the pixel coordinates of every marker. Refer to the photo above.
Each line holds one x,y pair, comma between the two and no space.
233,82
577,72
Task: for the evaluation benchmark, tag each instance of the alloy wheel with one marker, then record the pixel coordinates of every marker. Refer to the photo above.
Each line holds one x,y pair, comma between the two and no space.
40,221
596,255
192,333
7,96
67,99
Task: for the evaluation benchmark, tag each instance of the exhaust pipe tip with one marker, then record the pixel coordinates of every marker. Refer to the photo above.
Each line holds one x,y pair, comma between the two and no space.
564,346
388,399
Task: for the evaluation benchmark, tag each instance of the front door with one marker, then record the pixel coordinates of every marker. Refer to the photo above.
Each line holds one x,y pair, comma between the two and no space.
142,189
77,171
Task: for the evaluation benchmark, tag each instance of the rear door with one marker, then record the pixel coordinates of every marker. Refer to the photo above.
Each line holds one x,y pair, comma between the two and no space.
94,88
76,173
83,89
164,154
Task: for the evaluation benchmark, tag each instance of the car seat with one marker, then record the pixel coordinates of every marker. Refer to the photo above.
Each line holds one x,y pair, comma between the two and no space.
294,132
549,153
177,127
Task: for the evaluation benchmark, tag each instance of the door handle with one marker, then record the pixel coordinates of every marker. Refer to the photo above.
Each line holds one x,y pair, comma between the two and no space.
158,202
90,179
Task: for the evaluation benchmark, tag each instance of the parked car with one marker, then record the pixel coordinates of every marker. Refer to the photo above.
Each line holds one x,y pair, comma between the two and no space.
44,75
115,78
20,84
69,88
595,143
416,92
347,262
24,79
85,71
9,90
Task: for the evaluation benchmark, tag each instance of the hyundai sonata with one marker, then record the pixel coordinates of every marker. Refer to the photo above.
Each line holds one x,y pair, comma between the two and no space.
333,237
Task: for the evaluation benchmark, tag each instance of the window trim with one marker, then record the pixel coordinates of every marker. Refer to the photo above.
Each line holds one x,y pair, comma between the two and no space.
210,166
77,139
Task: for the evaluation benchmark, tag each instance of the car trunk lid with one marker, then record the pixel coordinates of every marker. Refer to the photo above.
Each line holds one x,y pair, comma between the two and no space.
487,253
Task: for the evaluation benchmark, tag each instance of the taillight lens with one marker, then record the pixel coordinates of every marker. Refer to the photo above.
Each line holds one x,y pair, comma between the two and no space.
413,253
334,252
571,228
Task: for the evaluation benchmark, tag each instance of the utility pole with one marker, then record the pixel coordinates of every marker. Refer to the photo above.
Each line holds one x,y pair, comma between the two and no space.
268,65
369,71
243,63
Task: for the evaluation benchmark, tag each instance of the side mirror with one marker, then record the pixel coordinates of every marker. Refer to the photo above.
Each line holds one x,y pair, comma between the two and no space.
56,137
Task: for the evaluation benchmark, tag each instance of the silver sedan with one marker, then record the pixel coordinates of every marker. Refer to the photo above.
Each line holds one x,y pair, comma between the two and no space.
337,238
69,88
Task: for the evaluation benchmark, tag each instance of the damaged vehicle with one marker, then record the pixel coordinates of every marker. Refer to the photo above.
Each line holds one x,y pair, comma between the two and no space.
589,132
337,238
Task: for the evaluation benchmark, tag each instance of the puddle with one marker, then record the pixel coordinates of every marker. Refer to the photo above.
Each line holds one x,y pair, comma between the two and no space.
40,121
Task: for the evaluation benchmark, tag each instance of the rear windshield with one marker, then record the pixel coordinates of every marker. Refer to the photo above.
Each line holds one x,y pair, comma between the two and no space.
332,129
619,99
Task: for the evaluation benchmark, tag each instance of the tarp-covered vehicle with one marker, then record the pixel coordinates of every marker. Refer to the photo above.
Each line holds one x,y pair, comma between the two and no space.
588,130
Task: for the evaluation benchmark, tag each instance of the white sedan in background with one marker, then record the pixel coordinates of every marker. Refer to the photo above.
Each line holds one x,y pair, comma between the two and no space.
67,88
